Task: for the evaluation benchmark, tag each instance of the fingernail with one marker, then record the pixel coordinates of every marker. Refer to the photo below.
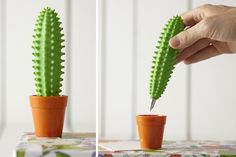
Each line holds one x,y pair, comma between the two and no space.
174,42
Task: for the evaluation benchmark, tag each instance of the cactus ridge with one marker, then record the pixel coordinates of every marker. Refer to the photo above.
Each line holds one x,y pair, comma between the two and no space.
47,45
164,58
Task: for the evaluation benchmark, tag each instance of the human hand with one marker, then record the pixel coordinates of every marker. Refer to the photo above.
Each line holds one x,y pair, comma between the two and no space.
210,31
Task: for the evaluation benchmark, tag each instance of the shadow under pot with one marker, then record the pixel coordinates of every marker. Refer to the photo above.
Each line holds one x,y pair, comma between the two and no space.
151,130
48,115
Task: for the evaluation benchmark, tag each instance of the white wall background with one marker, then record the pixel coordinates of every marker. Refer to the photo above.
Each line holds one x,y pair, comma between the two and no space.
200,99
17,20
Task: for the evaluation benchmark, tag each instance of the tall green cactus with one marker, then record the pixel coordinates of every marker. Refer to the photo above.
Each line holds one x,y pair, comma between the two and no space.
47,46
164,58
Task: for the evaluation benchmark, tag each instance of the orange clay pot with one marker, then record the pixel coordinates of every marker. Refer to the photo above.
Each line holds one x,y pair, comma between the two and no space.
151,130
48,114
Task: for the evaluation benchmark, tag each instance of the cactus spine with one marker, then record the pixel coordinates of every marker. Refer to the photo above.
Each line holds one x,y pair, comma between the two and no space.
47,46
164,58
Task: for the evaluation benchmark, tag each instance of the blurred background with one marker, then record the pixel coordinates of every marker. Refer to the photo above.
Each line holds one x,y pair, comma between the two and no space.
17,20
200,100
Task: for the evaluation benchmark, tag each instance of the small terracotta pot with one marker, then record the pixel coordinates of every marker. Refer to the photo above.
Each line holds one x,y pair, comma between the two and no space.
151,130
48,114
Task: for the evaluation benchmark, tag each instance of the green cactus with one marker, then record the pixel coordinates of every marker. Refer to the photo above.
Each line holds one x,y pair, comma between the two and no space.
47,45
164,58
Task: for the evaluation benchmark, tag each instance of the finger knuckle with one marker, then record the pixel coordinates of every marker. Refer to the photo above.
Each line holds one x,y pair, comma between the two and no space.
221,6
207,25
206,6
184,36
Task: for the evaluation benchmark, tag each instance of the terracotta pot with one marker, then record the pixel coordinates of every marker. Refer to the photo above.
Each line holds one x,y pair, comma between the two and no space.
151,130
48,114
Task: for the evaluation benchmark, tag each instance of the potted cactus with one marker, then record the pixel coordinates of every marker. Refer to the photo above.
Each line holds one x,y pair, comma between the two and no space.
48,106
151,127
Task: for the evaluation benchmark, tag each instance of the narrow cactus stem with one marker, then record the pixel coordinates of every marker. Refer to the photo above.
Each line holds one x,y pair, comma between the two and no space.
47,45
164,58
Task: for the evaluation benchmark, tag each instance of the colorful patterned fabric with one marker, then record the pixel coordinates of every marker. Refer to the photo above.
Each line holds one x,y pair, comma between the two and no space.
182,149
70,145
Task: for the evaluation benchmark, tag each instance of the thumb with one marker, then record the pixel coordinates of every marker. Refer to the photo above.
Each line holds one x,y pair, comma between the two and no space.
187,37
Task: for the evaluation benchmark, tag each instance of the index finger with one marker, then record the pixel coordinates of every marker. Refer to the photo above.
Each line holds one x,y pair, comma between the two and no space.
192,17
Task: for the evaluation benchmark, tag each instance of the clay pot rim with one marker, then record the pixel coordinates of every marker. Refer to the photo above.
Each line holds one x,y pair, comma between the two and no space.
48,102
151,115
151,118
49,96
